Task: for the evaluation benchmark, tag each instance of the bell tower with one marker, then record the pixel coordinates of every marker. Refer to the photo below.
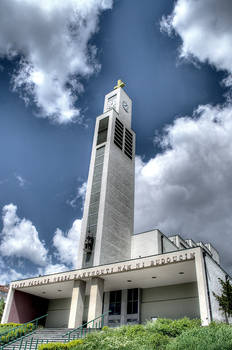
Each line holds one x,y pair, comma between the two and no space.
108,216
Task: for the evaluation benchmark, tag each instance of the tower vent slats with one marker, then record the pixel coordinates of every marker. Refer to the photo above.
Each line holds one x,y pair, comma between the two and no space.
118,134
122,138
128,146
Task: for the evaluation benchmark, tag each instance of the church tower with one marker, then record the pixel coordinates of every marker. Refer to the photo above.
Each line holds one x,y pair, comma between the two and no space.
108,216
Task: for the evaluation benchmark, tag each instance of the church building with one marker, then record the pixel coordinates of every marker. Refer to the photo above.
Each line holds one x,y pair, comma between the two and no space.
131,278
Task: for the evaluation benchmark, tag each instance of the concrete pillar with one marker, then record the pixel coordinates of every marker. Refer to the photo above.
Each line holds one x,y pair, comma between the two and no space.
9,300
96,298
124,307
106,308
202,288
77,304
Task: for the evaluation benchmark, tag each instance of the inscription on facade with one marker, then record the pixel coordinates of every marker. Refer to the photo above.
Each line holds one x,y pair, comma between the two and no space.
107,270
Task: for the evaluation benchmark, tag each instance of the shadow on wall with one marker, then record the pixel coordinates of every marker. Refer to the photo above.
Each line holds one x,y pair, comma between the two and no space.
26,307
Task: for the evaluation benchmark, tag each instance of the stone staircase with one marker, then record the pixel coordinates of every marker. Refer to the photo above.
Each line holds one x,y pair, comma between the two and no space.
47,335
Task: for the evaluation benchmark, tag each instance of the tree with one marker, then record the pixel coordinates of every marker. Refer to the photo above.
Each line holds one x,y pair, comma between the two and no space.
225,299
2,305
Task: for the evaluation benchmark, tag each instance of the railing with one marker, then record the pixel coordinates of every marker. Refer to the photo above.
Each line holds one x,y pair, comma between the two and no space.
96,323
22,329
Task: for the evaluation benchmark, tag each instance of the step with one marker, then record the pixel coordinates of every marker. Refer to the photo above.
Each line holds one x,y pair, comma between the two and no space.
48,335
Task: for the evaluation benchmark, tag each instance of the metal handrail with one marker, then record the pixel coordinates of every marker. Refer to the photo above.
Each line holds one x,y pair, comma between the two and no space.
17,339
22,326
84,326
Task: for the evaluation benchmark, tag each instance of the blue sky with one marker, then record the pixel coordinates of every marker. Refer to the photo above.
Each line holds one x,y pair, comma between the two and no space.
57,63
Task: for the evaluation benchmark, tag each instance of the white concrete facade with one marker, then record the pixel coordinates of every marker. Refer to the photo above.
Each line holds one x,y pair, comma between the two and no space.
172,284
137,277
115,213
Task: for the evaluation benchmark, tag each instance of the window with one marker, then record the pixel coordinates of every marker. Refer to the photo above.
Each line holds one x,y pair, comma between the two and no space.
102,130
115,302
94,202
132,301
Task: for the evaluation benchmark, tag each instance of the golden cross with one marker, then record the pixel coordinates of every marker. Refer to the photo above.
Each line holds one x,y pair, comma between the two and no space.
120,84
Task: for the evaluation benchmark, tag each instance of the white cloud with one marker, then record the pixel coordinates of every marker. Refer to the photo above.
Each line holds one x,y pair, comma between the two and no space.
52,268
21,180
67,244
191,178
51,38
20,238
8,274
205,30
187,188
80,193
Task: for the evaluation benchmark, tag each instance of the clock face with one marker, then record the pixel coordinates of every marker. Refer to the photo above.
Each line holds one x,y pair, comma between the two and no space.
125,106
111,103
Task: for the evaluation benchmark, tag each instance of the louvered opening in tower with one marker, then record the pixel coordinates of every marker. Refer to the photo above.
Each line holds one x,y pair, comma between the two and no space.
128,145
118,133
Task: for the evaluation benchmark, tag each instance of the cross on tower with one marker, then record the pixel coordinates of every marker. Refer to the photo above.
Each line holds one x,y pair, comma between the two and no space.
120,84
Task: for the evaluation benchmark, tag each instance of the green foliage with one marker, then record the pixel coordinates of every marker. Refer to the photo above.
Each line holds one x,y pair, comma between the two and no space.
225,299
152,336
172,328
164,334
16,333
64,346
2,305
11,324
213,337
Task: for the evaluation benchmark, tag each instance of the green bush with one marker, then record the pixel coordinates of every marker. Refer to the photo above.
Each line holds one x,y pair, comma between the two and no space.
152,336
172,328
12,325
164,334
16,333
64,346
124,338
213,337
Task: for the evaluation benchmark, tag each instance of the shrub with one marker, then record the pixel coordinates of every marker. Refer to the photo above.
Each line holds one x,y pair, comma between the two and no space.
11,324
172,328
64,346
213,337
124,338
16,333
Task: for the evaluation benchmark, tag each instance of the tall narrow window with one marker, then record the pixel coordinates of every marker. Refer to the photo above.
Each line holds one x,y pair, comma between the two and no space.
132,301
115,302
94,206
102,130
